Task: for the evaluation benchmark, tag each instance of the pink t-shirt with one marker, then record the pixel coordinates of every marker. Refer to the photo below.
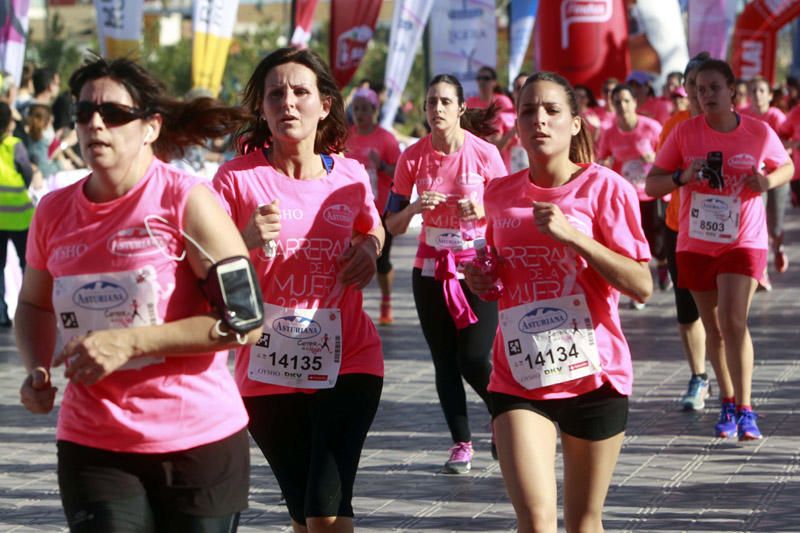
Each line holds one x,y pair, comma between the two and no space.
627,149
381,141
774,117
659,109
506,117
534,267
108,273
790,129
752,144
461,174
318,218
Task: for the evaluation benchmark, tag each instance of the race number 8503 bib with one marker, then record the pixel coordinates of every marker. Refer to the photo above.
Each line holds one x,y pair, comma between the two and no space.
300,348
550,341
714,218
109,300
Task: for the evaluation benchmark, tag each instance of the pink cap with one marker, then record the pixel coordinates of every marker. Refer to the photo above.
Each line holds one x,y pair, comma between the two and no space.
680,91
367,94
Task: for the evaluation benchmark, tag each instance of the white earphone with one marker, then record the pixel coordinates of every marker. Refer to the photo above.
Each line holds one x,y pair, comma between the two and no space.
149,132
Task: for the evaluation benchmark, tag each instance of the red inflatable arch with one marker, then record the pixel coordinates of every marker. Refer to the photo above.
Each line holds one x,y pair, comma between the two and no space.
755,34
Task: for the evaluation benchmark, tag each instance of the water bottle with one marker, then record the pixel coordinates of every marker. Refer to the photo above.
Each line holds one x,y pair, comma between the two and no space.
486,262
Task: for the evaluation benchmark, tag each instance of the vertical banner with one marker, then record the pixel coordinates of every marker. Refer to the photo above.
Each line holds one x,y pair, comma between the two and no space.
408,21
755,36
710,25
119,26
303,19
586,41
523,16
14,17
352,25
212,22
464,40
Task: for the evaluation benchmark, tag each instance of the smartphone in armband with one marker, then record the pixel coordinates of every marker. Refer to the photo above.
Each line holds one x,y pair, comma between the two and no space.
232,289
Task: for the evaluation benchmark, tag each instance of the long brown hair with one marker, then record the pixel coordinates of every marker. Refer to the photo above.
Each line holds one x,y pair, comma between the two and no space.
479,122
581,147
185,123
331,131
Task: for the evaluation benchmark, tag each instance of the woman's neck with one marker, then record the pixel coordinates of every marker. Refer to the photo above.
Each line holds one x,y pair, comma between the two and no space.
365,129
449,141
723,122
553,172
760,109
627,122
298,160
106,185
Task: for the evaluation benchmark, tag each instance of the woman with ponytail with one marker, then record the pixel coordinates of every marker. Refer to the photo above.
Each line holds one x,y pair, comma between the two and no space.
569,241
450,169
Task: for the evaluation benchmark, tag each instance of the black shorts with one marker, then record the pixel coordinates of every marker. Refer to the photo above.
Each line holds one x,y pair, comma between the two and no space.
313,442
384,262
206,486
596,415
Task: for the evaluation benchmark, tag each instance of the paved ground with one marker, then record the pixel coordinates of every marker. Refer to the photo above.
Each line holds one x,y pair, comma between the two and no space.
672,476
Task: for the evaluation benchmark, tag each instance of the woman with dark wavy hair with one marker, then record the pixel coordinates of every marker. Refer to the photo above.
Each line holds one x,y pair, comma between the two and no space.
312,383
450,169
151,431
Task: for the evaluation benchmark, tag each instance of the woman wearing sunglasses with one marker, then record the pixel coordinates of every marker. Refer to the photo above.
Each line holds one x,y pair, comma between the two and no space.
149,396
490,93
312,383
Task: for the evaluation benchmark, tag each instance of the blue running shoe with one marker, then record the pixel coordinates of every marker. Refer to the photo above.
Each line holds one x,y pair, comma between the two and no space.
697,393
726,425
746,425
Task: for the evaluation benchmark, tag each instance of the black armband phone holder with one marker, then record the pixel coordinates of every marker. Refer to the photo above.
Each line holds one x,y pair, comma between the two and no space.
396,203
232,289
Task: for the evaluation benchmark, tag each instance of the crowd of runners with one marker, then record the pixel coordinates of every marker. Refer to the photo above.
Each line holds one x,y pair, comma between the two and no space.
540,210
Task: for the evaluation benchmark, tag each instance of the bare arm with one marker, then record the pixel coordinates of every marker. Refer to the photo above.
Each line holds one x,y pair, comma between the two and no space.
627,275
659,181
397,223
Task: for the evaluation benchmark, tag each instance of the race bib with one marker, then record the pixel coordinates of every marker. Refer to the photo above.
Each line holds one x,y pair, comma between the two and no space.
110,300
519,159
550,341
300,348
714,218
446,239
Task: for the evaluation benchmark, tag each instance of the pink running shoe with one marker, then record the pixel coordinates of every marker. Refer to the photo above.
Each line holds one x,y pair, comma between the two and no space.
460,461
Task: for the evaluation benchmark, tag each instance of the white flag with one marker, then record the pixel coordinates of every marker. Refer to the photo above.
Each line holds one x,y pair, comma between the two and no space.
119,26
408,21
464,41
14,17
212,22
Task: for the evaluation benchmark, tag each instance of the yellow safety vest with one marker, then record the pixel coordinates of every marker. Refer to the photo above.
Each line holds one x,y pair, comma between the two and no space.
16,209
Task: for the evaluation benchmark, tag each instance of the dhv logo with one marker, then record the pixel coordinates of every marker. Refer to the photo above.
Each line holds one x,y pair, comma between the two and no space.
296,327
542,319
100,295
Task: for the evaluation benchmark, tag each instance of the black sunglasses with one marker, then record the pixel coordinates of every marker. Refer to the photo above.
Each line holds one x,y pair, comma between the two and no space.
113,114
484,78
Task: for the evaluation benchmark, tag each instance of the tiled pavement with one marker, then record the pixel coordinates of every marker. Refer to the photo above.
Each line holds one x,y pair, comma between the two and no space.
672,475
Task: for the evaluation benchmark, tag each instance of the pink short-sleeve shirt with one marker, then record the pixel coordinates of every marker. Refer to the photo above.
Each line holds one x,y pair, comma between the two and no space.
318,219
753,144
385,145
628,147
534,267
107,269
461,174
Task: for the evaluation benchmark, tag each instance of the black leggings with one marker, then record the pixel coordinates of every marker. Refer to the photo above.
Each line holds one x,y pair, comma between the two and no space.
455,352
653,225
198,490
684,302
313,442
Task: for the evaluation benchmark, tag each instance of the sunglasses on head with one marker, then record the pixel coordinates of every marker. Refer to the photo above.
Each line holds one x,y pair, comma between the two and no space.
113,114
484,78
